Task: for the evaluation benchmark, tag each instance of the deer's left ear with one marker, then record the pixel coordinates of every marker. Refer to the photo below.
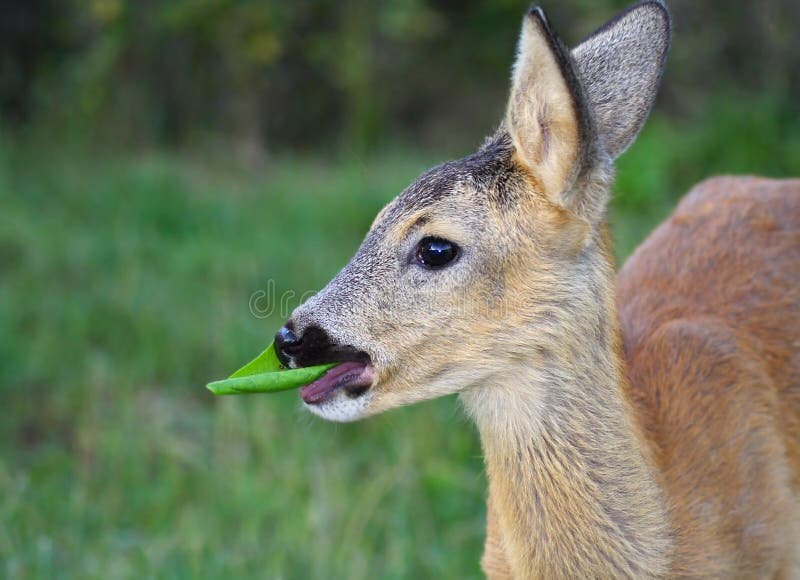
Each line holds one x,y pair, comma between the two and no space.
546,115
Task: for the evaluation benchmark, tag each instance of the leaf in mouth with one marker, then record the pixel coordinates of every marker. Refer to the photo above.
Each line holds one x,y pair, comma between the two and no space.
266,374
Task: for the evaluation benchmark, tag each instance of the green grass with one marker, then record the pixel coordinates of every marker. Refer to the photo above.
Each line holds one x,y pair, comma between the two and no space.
124,288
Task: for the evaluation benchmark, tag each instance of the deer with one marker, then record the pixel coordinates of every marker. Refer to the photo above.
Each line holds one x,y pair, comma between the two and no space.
640,424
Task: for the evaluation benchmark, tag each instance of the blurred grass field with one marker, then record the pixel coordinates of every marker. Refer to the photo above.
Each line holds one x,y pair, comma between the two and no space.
124,288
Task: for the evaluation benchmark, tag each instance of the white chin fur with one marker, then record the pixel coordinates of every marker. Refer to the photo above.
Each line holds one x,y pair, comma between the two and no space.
341,407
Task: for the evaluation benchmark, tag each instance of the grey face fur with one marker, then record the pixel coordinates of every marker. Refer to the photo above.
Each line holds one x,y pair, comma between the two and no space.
388,305
523,243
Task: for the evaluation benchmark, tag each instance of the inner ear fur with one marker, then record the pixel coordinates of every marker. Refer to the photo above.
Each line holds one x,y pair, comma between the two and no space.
545,117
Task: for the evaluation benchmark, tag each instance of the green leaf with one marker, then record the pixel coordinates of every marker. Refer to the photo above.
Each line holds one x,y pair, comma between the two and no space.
269,382
266,374
266,362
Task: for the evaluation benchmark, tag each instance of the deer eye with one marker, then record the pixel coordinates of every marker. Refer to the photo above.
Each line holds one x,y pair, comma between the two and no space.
435,253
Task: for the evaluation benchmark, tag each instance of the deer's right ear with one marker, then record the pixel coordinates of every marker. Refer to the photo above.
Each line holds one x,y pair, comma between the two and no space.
620,67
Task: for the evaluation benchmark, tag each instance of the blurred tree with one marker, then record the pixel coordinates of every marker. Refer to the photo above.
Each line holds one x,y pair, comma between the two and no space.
267,74
29,39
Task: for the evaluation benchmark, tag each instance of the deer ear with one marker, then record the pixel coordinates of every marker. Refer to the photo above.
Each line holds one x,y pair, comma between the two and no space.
545,115
620,67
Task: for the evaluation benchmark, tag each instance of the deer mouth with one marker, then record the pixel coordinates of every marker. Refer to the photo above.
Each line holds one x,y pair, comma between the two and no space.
354,378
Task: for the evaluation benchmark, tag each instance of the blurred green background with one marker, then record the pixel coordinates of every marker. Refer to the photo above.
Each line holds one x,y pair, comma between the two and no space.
162,160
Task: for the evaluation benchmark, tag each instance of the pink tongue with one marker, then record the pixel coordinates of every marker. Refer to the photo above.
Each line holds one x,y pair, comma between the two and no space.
345,374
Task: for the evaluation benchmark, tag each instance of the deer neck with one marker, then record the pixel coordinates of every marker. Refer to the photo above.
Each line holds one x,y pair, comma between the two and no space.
572,489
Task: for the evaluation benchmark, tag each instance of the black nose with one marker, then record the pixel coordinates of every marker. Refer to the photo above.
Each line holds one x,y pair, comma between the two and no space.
313,347
287,344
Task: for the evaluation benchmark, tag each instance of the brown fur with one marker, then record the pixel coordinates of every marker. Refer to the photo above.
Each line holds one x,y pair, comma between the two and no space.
660,442
710,312
710,315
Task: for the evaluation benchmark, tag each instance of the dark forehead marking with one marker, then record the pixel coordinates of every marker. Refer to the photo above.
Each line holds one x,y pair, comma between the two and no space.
490,169
421,221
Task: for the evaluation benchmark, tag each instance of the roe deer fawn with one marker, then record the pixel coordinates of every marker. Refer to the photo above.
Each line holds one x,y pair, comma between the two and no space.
647,431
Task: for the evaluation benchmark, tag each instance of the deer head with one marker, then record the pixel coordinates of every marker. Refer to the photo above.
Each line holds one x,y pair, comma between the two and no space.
498,257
